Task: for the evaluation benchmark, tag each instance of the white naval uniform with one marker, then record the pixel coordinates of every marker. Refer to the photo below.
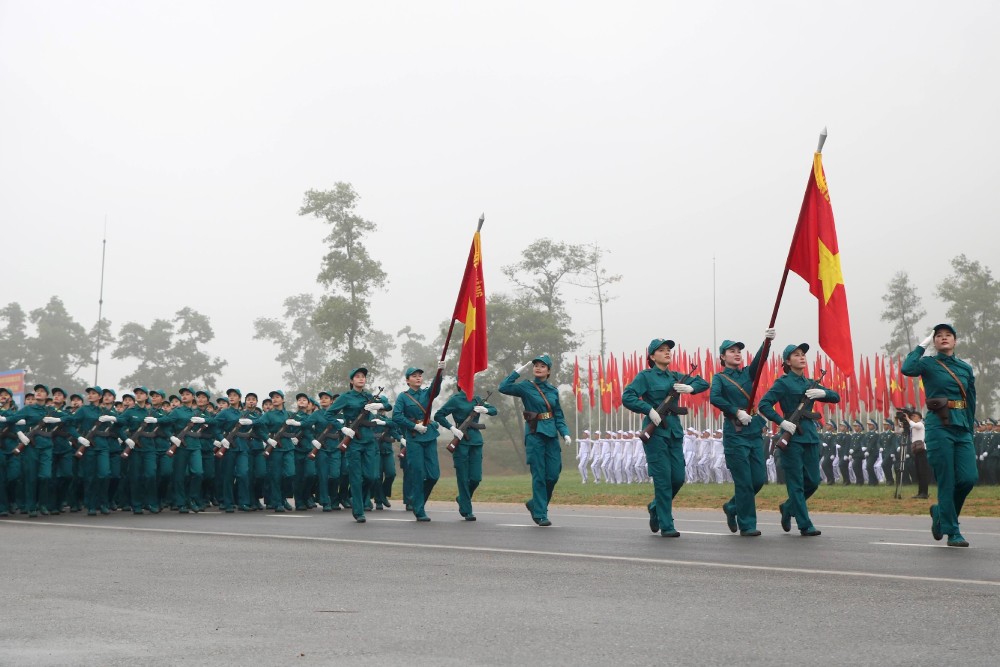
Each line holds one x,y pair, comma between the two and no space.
596,447
628,460
583,457
718,461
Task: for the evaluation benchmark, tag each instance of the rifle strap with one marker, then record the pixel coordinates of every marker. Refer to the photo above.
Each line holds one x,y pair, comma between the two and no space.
735,384
961,388
548,407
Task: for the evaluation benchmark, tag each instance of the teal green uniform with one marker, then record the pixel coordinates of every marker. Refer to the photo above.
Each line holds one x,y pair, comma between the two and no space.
280,462
187,464
233,470
95,465
665,448
36,459
329,458
362,451
63,450
156,439
141,460
744,449
468,454
542,449
10,465
422,468
386,474
800,460
950,449
305,467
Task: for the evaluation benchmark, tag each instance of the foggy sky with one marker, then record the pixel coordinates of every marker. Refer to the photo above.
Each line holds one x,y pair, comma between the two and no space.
665,133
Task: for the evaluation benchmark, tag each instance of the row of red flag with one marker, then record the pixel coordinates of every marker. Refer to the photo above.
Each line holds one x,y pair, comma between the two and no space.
870,391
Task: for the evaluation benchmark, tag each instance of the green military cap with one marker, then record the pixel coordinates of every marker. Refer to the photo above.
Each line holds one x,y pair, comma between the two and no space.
359,369
40,386
726,344
5,390
142,389
173,396
204,393
326,393
946,327
183,389
124,396
222,400
656,344
72,396
158,392
545,359
109,391
95,388
313,401
410,371
250,393
59,389
791,348
302,395
234,391
278,392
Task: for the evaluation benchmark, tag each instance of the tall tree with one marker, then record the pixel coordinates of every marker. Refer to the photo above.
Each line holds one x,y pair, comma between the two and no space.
15,353
973,295
903,309
350,275
594,277
302,352
170,352
60,347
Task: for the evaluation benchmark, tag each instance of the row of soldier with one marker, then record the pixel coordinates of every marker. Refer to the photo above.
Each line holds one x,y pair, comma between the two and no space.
153,450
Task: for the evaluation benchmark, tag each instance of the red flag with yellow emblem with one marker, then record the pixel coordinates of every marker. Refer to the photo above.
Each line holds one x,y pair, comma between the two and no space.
470,310
815,256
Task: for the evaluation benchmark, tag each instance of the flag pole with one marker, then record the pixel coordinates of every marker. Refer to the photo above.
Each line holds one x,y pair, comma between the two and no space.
777,302
100,301
436,385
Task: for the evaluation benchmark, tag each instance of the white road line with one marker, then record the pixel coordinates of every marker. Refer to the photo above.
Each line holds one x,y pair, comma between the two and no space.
521,525
523,552
907,544
372,518
279,515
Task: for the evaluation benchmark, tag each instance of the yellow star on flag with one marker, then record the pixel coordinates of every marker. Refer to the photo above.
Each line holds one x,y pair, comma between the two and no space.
829,271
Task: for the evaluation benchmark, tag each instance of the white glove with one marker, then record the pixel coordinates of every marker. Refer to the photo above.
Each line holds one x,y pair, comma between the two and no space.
788,426
378,422
216,444
150,420
864,449
481,409
440,365
3,420
83,441
197,420
420,428
175,440
23,438
769,333
272,442
107,418
245,422
655,417
51,420
20,422
568,439
831,458
927,341
866,455
683,388
295,441
225,443
402,442
814,393
457,432
523,368
130,442
349,432
292,422
374,406
743,416
317,444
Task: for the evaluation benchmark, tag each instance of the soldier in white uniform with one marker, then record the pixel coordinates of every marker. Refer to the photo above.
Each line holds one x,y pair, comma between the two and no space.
703,452
718,459
641,470
688,448
583,454
628,461
608,456
596,447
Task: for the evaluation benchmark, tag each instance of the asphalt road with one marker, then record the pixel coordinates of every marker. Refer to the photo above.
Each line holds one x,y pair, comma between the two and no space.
596,588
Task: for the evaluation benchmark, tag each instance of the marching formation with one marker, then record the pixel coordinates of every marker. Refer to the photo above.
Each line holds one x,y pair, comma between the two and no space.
153,451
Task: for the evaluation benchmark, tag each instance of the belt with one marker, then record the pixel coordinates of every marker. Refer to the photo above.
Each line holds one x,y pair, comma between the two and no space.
956,405
544,415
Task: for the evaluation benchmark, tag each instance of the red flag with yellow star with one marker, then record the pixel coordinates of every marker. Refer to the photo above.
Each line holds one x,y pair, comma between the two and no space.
470,310
815,256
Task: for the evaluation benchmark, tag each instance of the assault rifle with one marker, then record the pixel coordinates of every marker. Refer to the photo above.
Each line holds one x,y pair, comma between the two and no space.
903,420
669,405
30,436
180,436
91,434
469,422
361,421
803,411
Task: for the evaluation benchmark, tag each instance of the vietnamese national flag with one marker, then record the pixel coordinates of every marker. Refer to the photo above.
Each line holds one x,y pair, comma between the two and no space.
616,385
590,381
576,384
815,256
470,310
604,387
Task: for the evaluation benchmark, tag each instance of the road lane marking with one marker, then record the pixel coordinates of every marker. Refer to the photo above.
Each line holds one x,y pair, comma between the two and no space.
522,552
908,544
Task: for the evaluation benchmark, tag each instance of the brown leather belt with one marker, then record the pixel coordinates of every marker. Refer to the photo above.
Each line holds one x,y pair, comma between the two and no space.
544,415
956,405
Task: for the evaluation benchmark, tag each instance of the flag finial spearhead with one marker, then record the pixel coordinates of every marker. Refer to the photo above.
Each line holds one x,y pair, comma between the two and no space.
822,140
482,219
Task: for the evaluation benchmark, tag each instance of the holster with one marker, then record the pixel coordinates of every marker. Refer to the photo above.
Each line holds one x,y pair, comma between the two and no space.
939,406
531,418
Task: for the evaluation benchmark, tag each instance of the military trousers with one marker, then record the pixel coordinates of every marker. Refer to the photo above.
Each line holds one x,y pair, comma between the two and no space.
96,468
665,460
386,476
328,464
187,476
468,460
36,469
952,456
362,467
745,461
305,478
142,476
422,472
801,465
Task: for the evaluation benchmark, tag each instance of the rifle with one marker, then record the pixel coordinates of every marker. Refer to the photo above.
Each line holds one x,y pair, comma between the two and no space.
360,421
91,434
903,420
669,405
469,422
268,448
230,437
31,436
804,411
180,436
321,437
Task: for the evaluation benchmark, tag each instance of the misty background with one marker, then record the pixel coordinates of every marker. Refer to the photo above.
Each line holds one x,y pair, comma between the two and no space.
675,137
